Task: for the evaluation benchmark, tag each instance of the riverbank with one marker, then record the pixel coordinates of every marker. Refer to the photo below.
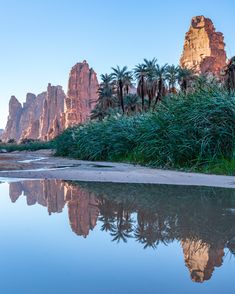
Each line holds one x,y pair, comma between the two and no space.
43,165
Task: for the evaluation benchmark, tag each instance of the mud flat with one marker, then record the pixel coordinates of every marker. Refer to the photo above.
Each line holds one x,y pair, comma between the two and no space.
43,165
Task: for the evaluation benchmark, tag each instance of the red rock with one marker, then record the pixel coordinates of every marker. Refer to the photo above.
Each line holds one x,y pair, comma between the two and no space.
83,206
29,122
53,107
201,258
83,209
203,49
82,94
46,115
12,130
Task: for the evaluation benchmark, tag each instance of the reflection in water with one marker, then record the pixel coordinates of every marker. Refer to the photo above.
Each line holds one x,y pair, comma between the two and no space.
201,218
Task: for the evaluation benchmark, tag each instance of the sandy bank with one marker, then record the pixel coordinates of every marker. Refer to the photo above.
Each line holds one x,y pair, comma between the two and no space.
41,164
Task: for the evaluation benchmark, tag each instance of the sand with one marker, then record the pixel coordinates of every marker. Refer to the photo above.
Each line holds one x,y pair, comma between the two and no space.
43,165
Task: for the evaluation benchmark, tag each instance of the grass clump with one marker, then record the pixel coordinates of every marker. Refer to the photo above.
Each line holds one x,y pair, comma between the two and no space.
184,131
27,146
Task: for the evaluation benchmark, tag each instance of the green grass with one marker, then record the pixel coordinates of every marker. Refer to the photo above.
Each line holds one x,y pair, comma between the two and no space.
31,146
220,167
185,131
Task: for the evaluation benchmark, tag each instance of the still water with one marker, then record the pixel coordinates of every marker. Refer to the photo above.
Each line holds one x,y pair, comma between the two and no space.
68,237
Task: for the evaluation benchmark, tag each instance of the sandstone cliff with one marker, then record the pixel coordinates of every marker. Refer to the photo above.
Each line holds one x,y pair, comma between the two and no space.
203,49
38,118
29,121
46,115
53,107
82,94
83,207
201,259
12,130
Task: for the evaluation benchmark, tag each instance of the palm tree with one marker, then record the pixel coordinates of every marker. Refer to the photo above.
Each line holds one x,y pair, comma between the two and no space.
119,75
230,76
161,76
151,82
172,77
140,75
98,112
185,77
127,82
106,97
132,104
123,227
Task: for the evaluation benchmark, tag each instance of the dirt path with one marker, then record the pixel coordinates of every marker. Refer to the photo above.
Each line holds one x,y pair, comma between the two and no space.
42,164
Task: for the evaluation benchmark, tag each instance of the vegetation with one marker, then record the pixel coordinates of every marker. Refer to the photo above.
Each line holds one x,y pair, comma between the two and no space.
26,144
186,130
176,119
161,214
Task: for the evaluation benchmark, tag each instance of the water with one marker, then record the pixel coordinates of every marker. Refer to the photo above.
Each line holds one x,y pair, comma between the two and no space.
66,237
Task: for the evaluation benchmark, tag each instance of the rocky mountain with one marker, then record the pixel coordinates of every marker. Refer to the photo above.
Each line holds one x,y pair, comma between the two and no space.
204,48
30,116
83,209
50,119
46,115
1,133
201,258
82,206
13,130
82,94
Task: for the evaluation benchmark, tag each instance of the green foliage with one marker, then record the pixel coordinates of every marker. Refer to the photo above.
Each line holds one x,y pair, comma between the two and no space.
29,145
184,131
218,167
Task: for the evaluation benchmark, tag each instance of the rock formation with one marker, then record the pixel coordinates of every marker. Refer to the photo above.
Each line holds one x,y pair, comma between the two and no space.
38,118
203,49
23,120
46,115
30,115
53,107
82,94
201,259
12,130
82,208
1,133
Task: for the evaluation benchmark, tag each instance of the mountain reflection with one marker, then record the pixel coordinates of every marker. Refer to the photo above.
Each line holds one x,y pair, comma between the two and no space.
202,219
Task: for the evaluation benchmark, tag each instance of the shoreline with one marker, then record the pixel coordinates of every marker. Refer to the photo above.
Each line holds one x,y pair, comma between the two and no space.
43,165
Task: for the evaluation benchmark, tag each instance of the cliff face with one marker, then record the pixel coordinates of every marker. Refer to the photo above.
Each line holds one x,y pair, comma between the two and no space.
201,259
83,210
50,119
38,118
12,130
46,115
82,94
29,121
203,49
83,207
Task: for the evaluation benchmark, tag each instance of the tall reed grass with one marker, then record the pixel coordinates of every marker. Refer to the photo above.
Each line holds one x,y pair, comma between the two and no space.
183,131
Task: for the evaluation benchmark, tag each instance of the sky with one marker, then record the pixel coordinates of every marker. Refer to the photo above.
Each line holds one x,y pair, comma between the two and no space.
42,39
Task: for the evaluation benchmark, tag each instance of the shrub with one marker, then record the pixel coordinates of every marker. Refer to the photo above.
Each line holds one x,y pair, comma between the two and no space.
184,130
30,146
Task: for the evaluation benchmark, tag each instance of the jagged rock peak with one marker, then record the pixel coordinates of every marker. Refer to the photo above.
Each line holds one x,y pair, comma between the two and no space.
204,48
82,94
14,102
53,107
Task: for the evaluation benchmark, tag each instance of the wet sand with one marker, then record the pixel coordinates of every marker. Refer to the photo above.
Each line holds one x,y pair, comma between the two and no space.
43,165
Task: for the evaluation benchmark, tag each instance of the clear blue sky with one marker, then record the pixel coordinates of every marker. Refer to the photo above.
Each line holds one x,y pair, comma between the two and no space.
42,39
